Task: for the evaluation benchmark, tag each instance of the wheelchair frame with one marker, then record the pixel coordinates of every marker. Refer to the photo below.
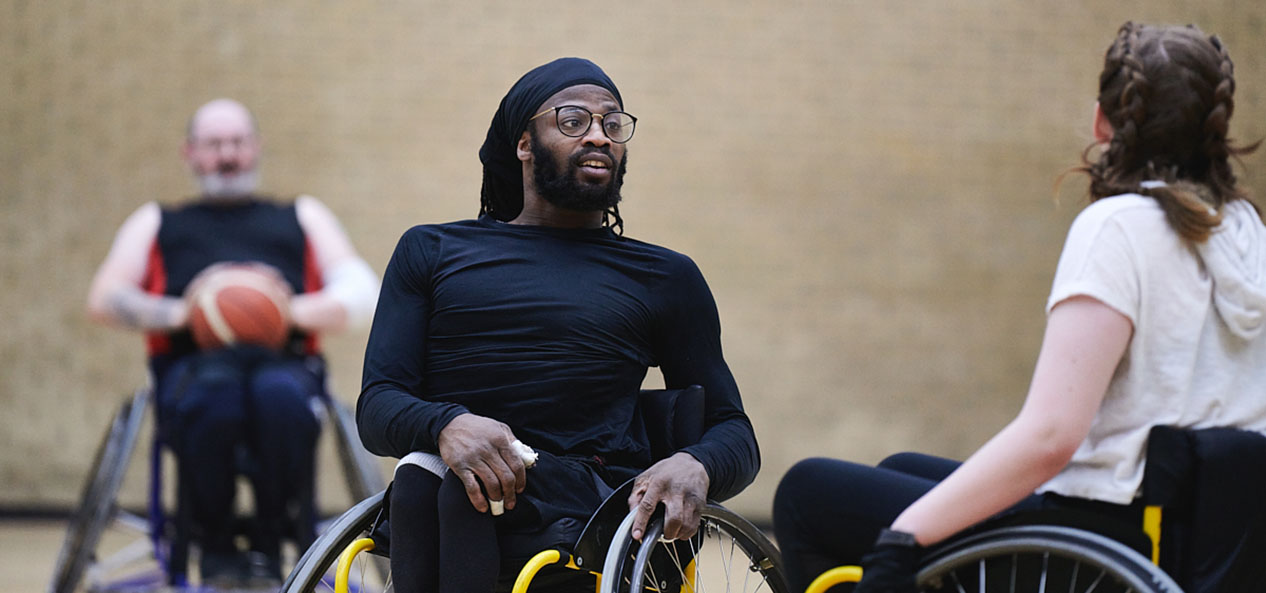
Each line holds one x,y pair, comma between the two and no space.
327,565
98,508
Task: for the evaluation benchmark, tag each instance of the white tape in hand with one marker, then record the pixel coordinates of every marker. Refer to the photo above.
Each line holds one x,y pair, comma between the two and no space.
528,455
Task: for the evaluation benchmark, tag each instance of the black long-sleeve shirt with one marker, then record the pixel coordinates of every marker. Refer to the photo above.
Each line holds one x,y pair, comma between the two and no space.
550,331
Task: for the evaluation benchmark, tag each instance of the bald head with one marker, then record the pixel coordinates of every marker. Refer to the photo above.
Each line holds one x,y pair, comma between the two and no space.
222,149
219,113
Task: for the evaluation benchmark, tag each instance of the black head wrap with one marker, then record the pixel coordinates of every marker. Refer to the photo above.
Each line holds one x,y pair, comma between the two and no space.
502,192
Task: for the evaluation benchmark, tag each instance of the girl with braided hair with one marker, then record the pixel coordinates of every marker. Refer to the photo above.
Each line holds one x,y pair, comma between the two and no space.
1155,317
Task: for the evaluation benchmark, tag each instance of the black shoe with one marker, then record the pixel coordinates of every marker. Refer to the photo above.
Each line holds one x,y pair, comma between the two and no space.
262,571
222,570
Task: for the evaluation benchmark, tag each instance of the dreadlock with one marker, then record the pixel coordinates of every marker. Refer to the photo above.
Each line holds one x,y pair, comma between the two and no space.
498,201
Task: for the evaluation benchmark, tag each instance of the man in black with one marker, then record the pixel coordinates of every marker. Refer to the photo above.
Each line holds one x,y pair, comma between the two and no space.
538,322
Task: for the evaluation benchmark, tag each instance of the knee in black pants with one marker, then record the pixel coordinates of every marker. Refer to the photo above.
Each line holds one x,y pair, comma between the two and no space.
414,530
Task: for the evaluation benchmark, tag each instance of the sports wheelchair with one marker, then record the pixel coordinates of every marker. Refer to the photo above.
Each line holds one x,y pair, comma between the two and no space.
158,555
727,553
1201,488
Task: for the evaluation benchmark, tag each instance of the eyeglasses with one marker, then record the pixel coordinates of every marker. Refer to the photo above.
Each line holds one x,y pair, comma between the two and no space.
574,121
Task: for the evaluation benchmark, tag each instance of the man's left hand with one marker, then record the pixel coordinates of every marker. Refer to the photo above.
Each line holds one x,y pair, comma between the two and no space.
680,482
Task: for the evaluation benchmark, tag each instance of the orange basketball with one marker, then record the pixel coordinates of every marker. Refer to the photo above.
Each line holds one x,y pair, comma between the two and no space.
239,304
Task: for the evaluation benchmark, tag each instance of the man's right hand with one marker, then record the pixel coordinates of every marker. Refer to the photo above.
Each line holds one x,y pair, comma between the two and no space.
478,450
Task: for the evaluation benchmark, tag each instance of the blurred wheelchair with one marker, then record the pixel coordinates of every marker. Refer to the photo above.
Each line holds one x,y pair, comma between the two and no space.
1201,489
727,553
158,553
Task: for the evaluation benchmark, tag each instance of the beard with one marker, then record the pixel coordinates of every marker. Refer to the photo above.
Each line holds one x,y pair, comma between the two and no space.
560,186
219,186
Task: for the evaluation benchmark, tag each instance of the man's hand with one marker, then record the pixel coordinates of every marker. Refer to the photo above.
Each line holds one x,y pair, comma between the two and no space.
679,482
479,447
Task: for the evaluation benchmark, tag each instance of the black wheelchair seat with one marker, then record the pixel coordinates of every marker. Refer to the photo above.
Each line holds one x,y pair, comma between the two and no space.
1209,482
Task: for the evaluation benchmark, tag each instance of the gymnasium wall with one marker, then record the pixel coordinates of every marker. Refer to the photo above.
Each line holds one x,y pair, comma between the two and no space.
868,186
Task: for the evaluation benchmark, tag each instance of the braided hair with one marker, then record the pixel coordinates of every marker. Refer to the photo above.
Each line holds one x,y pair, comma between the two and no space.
1168,94
498,200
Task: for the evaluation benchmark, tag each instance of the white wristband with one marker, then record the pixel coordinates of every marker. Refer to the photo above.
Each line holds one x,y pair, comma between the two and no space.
354,285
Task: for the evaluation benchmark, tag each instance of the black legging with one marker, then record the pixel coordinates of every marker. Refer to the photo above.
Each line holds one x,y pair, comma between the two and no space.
426,511
209,404
828,512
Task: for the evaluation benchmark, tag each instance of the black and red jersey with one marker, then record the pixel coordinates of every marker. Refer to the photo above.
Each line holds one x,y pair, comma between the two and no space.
195,235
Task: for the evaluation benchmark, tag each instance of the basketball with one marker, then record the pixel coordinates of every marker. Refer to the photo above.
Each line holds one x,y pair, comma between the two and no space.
239,304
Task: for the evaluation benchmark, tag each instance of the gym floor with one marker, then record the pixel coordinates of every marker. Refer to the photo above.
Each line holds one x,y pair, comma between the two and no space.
28,549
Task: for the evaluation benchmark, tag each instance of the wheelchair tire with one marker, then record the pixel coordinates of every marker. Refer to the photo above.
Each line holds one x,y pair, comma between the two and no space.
728,553
97,504
1037,558
315,569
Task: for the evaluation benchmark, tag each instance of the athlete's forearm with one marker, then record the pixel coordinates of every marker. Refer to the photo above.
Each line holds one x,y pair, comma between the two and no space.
1004,471
346,300
132,308
1084,341
729,453
317,312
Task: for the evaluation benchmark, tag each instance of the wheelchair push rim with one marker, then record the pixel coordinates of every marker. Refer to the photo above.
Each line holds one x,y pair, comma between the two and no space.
728,553
1041,558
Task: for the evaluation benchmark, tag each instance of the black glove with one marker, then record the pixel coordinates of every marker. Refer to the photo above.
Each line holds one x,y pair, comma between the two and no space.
891,567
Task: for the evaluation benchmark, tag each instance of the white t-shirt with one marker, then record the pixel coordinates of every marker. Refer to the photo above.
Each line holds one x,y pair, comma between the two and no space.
1197,357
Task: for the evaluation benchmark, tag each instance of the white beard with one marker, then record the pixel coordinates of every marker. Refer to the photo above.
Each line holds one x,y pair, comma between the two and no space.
217,186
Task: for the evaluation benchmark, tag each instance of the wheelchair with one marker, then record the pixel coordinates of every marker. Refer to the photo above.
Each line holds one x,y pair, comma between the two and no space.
158,554
1201,488
727,553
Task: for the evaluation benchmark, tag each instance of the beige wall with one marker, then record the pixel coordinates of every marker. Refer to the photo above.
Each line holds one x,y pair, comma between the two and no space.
866,185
